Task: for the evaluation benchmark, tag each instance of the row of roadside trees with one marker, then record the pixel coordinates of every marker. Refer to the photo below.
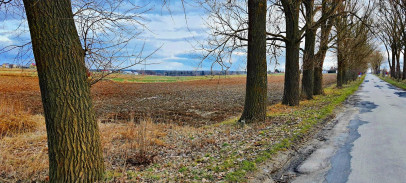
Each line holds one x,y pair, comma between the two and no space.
268,28
390,29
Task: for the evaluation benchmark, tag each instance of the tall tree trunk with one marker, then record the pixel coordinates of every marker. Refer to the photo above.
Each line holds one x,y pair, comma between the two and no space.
345,72
341,26
339,73
256,89
340,61
318,75
404,63
308,55
393,68
291,92
389,59
74,148
398,72
321,54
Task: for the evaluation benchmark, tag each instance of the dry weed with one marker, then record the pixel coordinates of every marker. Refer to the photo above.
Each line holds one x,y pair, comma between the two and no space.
14,119
132,144
24,156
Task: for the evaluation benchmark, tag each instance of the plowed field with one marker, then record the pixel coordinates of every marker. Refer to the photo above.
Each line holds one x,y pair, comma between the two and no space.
194,103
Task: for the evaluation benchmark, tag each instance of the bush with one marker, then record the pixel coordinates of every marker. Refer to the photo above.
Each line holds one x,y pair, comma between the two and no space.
144,144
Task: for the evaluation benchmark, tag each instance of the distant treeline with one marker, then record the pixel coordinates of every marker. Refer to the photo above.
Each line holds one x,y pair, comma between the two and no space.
180,73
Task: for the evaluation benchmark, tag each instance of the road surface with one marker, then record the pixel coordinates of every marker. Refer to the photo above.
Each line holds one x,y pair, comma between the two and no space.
368,142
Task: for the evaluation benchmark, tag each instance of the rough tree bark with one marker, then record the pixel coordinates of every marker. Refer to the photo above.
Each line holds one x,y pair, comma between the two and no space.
318,74
404,65
393,68
256,87
325,27
74,148
341,27
398,71
291,92
340,62
308,54
321,54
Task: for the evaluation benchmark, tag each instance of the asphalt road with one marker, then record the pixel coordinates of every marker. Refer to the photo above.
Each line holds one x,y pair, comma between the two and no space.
368,142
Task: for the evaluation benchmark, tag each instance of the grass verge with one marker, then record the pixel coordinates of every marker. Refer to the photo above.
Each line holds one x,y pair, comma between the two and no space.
310,113
399,84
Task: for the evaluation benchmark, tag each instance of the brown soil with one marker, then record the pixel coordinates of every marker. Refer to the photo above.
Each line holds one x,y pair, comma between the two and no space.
194,103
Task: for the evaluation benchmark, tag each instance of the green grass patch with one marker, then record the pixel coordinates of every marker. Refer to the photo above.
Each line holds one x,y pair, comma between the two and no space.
394,82
183,169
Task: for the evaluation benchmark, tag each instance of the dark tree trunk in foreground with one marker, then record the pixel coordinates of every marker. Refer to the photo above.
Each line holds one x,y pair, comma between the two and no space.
256,89
308,54
74,148
291,92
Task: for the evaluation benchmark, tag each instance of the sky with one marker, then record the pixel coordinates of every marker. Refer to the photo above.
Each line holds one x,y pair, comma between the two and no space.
174,36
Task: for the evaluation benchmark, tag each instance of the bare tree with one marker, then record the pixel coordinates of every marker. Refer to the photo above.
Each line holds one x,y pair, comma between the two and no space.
308,53
328,6
61,52
256,87
228,31
391,15
354,43
107,30
291,90
241,27
294,35
228,24
375,61
74,146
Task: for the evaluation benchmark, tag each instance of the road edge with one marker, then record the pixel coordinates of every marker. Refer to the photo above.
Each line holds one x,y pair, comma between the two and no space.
276,167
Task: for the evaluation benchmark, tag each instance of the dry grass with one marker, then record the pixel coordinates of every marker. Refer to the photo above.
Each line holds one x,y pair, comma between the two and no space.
14,119
23,142
18,72
23,156
131,143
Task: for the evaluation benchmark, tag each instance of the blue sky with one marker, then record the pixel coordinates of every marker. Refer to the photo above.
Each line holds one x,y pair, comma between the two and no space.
167,30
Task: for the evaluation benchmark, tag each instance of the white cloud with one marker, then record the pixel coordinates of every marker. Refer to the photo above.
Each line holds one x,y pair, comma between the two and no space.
240,53
174,27
330,60
5,40
13,29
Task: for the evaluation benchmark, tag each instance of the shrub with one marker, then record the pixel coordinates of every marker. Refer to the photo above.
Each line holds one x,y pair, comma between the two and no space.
145,144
